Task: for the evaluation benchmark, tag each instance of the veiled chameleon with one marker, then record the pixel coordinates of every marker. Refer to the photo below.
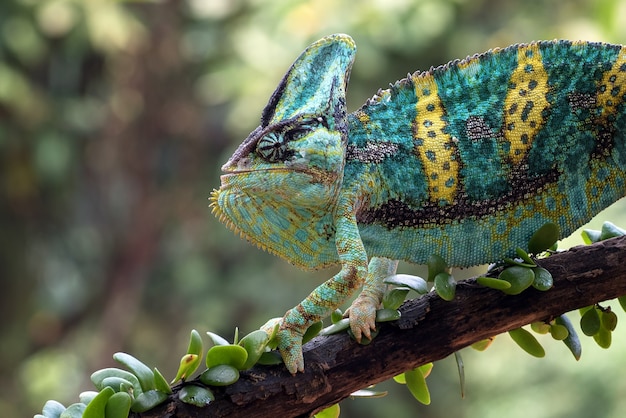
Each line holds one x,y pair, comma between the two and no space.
465,161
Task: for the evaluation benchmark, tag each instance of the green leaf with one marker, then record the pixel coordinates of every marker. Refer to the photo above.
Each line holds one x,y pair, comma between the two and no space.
75,410
87,396
461,368
426,369
271,327
610,230
395,297
254,343
148,400
220,375
622,302
53,409
543,279
116,383
332,411
195,343
590,322
233,355
590,236
603,338
400,378
368,393
406,280
608,319
445,286
482,345
493,283
160,383
387,315
524,256
337,327
520,278
217,340
196,395
188,364
572,342
118,405
527,342
312,331
416,382
143,372
558,332
436,265
96,408
336,316
270,358
543,238
98,377
540,327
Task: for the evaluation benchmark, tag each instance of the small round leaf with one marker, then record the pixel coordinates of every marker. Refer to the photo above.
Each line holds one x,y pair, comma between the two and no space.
558,332
196,395
540,327
233,355
543,279
520,278
220,375
590,322
445,286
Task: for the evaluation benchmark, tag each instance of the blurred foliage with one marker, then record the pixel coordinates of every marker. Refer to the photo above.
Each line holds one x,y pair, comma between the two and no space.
115,117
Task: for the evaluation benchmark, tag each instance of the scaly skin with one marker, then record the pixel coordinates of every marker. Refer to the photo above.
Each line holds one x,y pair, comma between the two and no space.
465,161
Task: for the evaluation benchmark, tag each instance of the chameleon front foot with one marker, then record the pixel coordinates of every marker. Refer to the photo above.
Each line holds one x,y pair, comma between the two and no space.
362,314
289,344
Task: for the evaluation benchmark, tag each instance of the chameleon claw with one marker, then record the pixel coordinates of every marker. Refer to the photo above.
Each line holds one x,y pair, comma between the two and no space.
289,344
292,354
362,315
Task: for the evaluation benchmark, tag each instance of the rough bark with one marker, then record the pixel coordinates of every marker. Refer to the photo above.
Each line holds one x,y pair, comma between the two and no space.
430,329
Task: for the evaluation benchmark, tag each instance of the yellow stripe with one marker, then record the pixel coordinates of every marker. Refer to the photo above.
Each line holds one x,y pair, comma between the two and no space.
436,149
525,102
610,88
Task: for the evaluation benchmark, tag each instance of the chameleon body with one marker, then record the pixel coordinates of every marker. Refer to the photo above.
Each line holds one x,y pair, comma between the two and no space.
465,161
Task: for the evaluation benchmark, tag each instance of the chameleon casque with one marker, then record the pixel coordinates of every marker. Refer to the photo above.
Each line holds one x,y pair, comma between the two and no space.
465,161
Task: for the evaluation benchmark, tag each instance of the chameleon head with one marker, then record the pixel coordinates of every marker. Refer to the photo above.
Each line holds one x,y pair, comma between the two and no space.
283,178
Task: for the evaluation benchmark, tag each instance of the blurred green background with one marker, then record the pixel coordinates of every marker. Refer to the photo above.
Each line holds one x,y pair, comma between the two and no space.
114,120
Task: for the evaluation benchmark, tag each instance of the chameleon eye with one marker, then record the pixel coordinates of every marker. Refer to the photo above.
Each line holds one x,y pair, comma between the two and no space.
272,147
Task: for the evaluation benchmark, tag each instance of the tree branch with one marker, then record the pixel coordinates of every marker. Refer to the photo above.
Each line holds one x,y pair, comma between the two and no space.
430,329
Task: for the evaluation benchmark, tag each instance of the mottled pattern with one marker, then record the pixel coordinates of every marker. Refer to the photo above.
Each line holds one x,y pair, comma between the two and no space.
465,161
